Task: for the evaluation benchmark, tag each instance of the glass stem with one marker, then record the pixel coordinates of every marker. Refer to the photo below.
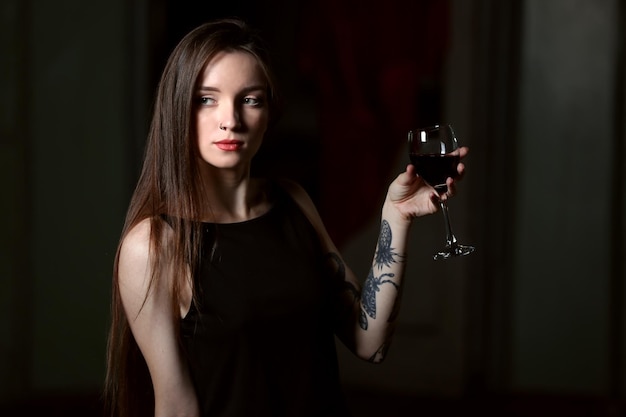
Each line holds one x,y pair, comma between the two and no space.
450,238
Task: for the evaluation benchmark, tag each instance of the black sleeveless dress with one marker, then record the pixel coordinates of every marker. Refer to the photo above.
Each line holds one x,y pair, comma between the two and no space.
261,342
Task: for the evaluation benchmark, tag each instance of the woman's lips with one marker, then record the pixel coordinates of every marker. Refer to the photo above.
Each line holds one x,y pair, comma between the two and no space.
229,145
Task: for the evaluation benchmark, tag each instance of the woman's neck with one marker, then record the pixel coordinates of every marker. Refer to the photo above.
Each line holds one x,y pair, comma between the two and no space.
231,197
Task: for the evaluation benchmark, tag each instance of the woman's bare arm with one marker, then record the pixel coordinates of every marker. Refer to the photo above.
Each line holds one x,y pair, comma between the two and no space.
367,313
153,324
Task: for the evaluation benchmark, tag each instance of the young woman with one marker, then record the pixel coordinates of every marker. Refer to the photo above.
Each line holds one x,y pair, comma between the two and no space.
227,290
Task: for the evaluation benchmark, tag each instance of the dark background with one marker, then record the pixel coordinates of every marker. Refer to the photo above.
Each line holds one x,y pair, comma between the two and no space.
532,324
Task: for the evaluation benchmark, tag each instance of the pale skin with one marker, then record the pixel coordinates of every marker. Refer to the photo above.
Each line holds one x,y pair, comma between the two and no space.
231,119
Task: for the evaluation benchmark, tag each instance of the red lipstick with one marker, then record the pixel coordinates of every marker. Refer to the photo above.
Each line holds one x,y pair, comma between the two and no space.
229,145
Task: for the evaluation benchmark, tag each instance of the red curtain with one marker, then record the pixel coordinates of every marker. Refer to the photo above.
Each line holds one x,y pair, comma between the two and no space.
374,66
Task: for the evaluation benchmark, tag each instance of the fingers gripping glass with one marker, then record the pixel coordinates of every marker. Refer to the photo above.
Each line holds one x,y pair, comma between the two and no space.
434,152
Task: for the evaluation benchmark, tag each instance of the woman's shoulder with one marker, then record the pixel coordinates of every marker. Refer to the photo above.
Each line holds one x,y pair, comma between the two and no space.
135,247
137,238
136,253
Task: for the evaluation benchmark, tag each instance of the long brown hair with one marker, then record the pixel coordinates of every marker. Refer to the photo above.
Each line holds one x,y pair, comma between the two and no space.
168,186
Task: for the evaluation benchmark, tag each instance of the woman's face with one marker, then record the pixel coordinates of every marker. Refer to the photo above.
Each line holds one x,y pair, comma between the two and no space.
231,110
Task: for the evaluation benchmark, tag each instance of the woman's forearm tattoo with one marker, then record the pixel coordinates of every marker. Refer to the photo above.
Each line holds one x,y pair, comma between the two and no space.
385,256
368,298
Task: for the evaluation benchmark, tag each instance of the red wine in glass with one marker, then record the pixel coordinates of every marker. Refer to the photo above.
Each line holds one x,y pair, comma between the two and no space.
435,169
434,152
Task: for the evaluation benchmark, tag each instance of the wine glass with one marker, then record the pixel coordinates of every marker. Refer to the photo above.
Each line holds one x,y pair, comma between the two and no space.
434,152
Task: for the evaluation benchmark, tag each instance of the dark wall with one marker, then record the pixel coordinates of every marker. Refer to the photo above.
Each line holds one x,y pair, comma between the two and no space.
537,312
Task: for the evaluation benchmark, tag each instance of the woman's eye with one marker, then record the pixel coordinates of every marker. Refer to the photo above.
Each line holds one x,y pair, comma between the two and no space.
253,101
206,100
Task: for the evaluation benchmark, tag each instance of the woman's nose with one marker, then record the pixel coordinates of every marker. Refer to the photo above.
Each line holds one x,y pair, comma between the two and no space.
229,117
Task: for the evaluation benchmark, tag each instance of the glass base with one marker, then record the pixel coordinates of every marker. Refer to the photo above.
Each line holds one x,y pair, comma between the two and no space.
454,251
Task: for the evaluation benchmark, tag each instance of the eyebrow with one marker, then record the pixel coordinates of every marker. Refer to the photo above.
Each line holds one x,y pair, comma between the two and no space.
244,90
